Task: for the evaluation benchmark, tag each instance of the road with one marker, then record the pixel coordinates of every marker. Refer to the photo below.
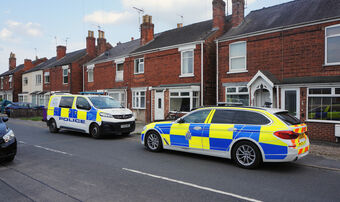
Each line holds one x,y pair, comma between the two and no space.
71,166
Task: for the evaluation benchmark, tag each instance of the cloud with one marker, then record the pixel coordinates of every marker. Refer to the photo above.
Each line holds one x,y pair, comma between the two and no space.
105,17
5,33
15,31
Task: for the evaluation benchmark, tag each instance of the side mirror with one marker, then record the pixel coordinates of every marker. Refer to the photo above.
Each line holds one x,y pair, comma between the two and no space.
180,120
4,119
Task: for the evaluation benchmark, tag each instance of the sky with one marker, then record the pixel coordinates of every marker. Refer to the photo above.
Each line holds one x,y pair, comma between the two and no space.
35,27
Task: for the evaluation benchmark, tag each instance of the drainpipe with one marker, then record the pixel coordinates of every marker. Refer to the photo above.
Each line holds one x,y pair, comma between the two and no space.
277,97
217,72
83,79
202,74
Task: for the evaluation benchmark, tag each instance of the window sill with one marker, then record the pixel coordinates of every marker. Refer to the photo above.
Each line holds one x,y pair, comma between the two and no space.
138,73
119,80
237,72
321,121
139,108
186,75
332,64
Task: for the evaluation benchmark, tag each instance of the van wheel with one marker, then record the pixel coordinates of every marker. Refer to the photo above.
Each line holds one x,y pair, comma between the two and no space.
95,131
53,126
246,155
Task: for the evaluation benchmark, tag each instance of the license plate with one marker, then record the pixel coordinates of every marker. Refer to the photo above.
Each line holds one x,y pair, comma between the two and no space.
125,126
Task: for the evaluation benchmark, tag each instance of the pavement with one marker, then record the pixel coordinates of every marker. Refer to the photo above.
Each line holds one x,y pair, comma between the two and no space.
69,166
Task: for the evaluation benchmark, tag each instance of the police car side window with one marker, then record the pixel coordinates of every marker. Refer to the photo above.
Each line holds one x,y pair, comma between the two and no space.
250,118
197,117
66,102
82,103
223,116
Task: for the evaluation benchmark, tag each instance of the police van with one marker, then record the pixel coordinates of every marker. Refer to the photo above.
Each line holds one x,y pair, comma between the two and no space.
92,114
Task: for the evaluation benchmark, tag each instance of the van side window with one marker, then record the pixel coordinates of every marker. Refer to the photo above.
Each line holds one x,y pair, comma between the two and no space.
66,102
82,103
223,116
251,118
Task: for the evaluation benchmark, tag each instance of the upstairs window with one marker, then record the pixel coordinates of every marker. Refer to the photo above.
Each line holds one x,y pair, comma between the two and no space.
2,83
90,73
25,81
37,80
238,57
332,43
65,74
139,66
47,77
120,72
10,80
187,64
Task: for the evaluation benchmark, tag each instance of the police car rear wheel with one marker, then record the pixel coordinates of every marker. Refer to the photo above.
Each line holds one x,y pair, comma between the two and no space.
246,155
153,142
95,131
53,126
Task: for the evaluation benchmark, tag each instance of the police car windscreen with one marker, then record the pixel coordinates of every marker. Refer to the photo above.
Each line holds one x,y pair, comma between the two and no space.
105,102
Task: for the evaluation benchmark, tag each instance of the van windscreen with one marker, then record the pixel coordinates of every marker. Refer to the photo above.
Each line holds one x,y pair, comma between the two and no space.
105,103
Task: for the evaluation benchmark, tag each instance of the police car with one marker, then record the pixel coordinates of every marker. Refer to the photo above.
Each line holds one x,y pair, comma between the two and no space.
247,135
93,114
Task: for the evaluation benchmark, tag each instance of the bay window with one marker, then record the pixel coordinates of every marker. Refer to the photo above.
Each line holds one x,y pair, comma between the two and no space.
324,104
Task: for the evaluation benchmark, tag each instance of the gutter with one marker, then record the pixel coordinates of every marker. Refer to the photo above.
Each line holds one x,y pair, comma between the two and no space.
202,76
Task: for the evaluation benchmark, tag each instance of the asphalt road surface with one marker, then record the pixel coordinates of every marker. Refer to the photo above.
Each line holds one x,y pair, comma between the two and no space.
71,166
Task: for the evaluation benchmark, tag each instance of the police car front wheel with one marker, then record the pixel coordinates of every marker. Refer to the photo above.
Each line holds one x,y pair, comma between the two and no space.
246,155
95,131
153,142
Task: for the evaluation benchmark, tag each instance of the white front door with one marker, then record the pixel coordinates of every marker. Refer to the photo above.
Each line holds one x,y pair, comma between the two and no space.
261,97
159,105
290,99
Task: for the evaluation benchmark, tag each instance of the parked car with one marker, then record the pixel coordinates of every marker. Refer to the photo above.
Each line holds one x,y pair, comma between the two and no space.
21,105
8,142
3,104
92,114
247,135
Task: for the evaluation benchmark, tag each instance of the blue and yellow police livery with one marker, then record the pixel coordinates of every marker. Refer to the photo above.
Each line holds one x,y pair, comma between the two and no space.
91,114
247,135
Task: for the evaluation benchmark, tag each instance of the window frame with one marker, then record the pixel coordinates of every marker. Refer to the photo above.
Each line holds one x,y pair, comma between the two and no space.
326,37
2,83
193,63
191,96
245,58
237,92
25,81
332,95
67,69
139,64
38,79
90,76
119,80
136,105
10,80
46,76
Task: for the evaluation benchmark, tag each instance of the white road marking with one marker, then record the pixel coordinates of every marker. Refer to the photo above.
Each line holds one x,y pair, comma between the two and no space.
22,142
52,150
193,185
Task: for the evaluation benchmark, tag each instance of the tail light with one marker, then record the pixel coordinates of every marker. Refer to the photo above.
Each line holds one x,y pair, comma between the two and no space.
288,135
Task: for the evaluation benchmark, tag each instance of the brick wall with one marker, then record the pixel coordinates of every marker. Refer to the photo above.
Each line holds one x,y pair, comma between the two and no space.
321,131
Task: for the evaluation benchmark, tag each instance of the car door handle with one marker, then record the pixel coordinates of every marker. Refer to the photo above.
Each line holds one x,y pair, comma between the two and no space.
232,129
197,128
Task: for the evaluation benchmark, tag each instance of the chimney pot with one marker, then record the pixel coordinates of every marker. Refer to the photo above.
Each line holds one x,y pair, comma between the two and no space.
179,25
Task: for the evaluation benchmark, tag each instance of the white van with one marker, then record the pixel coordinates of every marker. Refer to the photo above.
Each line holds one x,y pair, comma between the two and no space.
93,114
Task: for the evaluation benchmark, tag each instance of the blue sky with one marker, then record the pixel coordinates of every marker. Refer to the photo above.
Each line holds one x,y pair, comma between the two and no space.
35,27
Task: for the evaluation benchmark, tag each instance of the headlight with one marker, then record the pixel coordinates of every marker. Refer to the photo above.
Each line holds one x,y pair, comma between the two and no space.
106,115
9,136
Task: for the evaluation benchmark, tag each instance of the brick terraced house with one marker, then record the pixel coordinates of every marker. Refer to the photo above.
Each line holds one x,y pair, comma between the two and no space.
287,55
10,81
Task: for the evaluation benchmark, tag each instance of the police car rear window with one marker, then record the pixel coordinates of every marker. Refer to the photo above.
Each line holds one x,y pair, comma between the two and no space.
287,118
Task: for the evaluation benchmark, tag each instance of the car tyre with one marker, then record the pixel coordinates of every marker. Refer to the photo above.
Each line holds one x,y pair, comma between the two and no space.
95,131
246,155
9,159
53,126
153,142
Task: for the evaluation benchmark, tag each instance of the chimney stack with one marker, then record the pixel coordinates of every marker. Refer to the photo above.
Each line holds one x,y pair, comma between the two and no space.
218,14
147,30
238,12
28,64
12,61
132,38
61,52
101,42
91,44
179,25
